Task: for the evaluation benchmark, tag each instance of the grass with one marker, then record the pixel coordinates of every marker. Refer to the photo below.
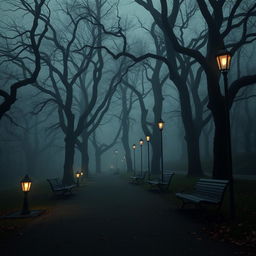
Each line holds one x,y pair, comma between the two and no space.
11,200
217,225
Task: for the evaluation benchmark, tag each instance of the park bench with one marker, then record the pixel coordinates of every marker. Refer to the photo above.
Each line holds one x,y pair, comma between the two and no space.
206,191
57,186
138,178
164,184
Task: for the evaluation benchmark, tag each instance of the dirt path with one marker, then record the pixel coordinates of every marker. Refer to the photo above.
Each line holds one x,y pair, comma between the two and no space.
111,217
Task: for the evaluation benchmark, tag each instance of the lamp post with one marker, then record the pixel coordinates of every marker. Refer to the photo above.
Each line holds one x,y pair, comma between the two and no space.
82,175
133,147
77,178
161,127
141,164
116,152
148,140
25,186
224,60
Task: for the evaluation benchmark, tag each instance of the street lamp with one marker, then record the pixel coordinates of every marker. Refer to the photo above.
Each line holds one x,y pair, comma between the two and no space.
77,178
25,186
141,144
148,140
161,127
116,152
224,60
82,175
134,147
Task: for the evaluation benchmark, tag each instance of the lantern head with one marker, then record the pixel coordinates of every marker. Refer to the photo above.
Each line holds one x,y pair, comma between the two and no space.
160,125
223,58
77,175
141,142
26,184
133,146
147,138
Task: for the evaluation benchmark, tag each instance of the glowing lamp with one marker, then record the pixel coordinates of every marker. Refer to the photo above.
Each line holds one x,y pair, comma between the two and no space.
160,125
134,146
223,60
148,138
141,142
77,174
26,184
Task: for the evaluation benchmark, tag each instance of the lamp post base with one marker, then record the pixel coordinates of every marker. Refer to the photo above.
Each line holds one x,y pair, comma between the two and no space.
20,215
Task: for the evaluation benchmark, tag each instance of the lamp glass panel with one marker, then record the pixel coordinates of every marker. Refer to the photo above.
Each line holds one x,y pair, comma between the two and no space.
224,61
161,125
26,185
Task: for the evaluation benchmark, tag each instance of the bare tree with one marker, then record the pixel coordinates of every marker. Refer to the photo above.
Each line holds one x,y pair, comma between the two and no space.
17,43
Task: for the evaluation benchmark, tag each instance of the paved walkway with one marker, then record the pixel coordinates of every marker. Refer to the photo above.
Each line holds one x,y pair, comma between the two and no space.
111,217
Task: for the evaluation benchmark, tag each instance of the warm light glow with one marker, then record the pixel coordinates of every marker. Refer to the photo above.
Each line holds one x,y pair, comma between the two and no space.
160,124
81,173
26,184
134,146
223,61
148,138
77,175
141,142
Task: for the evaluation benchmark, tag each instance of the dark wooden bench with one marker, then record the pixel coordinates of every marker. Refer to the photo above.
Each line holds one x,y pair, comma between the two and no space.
206,191
57,186
162,184
138,178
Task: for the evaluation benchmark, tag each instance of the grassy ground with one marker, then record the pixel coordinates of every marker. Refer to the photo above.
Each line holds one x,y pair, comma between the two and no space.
40,197
218,225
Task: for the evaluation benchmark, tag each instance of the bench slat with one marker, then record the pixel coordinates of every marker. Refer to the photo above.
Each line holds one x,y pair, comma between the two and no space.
206,191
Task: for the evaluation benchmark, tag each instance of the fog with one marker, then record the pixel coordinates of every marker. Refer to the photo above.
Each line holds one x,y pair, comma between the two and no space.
86,109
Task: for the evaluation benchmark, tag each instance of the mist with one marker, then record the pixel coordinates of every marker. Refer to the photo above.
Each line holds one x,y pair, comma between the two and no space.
84,81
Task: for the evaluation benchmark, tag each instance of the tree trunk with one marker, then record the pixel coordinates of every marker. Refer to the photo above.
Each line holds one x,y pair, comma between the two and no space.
156,134
220,168
192,133
220,147
156,151
98,161
84,154
125,142
68,175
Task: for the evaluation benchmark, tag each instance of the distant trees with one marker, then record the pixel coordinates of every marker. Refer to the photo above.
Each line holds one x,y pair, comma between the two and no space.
102,147
72,73
20,47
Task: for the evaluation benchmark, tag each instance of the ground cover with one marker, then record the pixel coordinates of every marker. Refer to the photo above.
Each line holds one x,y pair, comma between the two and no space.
40,197
218,225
